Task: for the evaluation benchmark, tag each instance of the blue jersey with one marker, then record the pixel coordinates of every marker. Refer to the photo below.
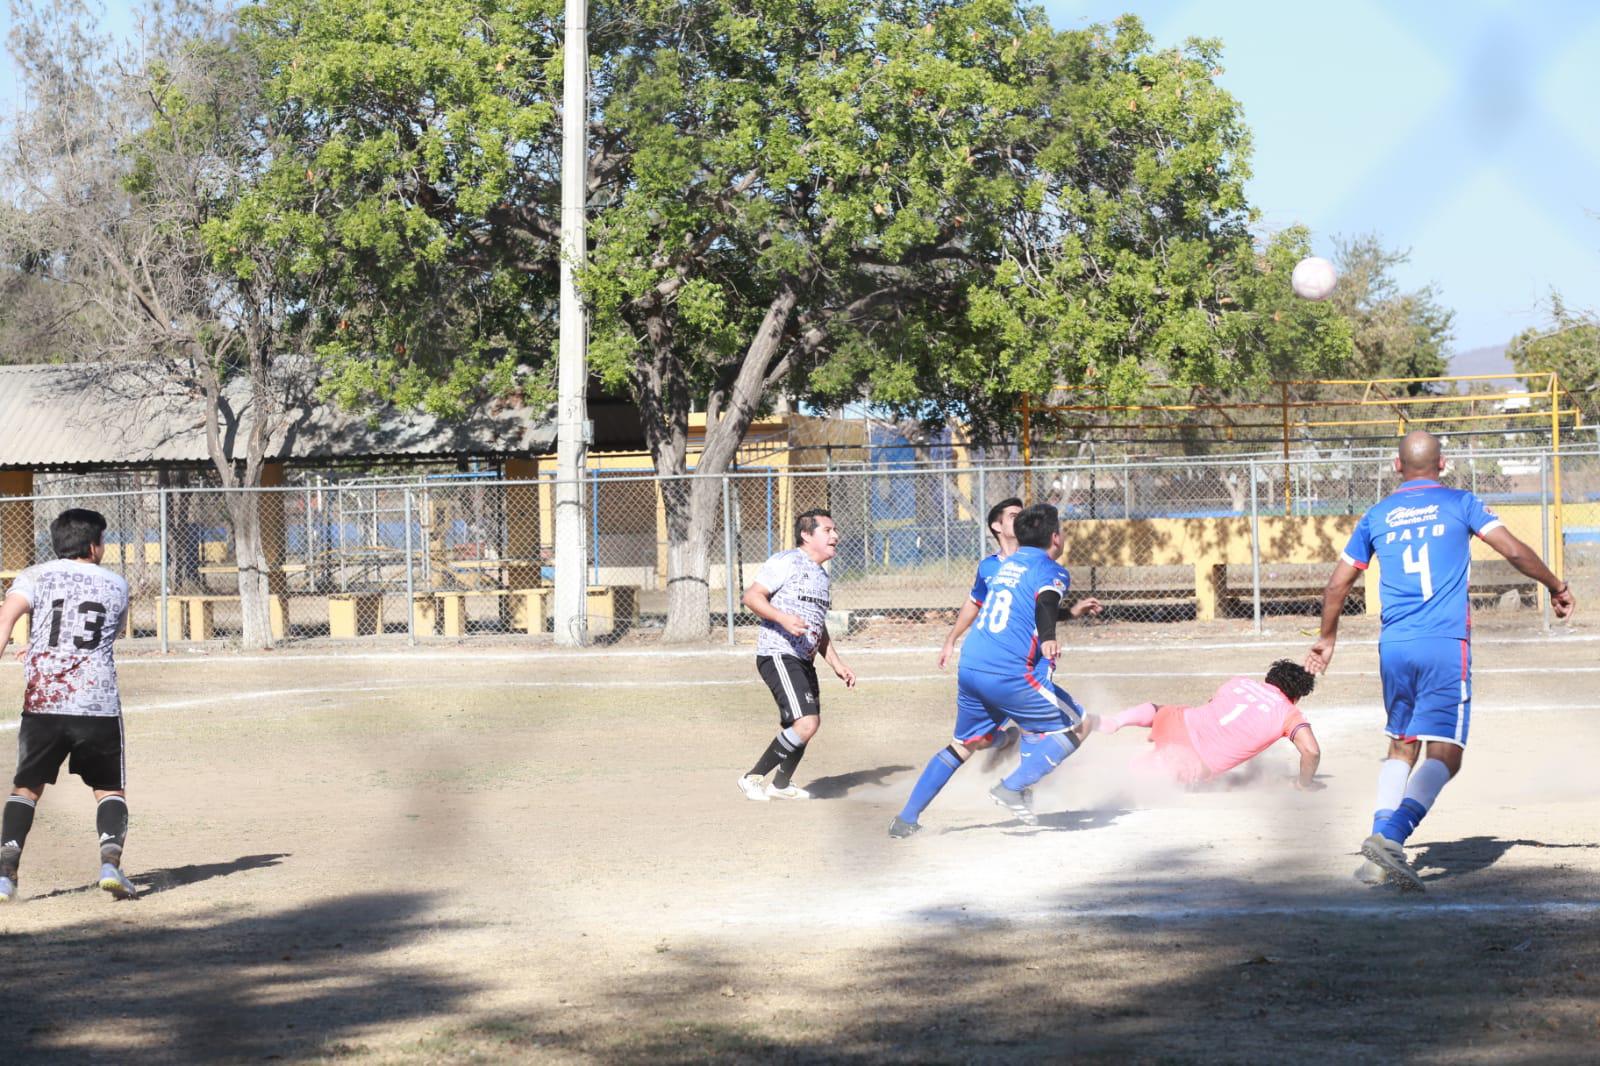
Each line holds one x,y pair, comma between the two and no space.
1004,638
1422,537
986,571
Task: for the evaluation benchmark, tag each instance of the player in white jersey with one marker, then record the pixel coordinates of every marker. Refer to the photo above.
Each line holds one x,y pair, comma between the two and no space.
791,595
70,706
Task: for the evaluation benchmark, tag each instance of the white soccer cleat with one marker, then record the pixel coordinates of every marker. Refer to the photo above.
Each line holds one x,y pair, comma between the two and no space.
1391,857
753,788
8,889
788,792
1370,873
116,882
1018,803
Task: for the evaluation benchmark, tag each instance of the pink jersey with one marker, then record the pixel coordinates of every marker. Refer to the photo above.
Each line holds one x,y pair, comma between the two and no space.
1243,719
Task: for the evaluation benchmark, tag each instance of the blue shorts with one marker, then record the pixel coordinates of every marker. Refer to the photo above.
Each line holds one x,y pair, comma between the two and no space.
1427,688
985,701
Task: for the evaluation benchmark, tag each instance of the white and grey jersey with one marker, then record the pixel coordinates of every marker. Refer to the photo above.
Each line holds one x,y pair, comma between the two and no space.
78,610
799,587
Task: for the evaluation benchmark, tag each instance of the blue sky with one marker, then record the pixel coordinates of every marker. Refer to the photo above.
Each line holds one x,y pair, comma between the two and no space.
1464,130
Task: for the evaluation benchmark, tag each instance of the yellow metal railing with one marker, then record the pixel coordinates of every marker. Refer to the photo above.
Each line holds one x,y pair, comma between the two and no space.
1549,402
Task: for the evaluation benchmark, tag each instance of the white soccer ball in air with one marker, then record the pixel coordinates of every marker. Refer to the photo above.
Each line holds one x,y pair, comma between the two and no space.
1313,278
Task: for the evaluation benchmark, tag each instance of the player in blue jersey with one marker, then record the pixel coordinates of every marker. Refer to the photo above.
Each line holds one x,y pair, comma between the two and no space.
1421,537
1001,517
1006,673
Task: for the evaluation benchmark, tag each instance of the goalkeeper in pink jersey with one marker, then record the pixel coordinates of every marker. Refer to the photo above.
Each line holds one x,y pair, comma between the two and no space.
1243,719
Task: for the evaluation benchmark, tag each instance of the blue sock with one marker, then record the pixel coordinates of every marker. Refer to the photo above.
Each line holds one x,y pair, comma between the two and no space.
1379,818
1403,821
1422,789
1041,753
934,777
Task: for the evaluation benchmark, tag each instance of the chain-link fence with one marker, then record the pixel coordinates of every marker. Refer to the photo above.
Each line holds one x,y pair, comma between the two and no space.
456,556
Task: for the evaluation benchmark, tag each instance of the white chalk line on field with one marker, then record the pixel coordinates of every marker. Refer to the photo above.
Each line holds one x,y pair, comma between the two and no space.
480,656
1318,712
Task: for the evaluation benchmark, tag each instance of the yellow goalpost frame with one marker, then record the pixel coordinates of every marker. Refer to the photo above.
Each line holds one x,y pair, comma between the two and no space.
1403,412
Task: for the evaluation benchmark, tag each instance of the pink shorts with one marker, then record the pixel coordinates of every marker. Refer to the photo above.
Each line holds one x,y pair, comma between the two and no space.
1174,751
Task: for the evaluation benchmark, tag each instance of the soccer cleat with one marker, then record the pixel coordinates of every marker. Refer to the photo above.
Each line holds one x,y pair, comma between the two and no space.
1008,740
1391,857
116,882
8,889
787,792
1370,873
900,829
753,788
1015,802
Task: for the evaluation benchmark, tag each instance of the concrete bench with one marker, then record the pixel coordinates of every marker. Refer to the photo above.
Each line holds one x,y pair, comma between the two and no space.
354,614
445,613
611,608
191,617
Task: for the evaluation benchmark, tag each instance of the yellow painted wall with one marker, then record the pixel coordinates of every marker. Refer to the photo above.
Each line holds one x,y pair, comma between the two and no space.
1211,544
16,521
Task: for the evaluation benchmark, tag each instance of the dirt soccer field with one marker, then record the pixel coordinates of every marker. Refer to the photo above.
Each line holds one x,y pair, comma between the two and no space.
494,853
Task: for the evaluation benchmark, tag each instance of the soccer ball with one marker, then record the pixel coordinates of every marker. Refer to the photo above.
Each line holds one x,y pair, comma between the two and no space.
1313,278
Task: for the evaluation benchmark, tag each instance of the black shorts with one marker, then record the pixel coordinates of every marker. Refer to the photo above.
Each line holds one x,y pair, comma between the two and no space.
794,685
94,743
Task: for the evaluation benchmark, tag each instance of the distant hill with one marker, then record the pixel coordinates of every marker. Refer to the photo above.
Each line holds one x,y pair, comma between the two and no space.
1487,360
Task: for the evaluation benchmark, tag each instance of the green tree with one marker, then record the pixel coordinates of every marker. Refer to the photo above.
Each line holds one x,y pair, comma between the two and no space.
1568,344
931,204
137,177
1396,334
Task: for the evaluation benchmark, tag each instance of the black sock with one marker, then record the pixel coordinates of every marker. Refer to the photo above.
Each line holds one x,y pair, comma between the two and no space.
787,767
782,746
111,819
14,826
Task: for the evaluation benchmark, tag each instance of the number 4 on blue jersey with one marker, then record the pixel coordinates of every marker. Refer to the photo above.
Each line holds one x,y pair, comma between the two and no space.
1421,536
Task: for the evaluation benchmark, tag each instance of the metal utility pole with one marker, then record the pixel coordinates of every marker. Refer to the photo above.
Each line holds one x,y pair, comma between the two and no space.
573,429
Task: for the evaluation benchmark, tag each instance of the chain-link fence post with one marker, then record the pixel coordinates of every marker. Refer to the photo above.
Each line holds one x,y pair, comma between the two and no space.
728,578
1544,535
411,592
1255,547
310,551
944,513
165,556
979,510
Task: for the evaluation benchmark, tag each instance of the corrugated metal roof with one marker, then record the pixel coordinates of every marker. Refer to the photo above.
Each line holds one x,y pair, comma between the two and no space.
135,415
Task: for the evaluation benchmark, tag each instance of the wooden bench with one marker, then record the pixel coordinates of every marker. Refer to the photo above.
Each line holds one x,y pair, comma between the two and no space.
192,617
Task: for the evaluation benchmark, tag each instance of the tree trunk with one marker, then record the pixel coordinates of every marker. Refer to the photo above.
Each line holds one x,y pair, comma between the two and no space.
692,505
244,511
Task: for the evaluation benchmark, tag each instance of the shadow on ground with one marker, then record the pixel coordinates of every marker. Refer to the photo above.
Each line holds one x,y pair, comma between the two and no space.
149,882
1292,981
1444,859
281,986
838,786
1049,822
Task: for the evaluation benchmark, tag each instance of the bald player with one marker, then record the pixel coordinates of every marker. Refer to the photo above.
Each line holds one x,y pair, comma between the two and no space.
1421,534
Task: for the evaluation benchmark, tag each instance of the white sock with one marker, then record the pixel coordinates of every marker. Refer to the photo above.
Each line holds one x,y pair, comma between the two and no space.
1426,782
1392,777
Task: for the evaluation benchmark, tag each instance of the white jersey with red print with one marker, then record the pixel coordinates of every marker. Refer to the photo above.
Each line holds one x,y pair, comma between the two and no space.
798,585
1243,719
78,609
